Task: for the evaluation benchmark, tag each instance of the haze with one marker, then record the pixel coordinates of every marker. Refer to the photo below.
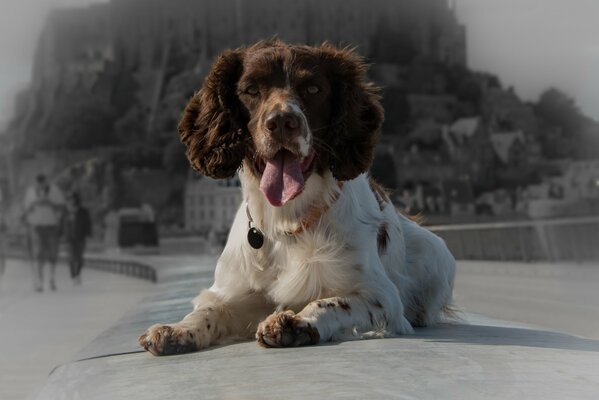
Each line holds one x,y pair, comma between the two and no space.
529,44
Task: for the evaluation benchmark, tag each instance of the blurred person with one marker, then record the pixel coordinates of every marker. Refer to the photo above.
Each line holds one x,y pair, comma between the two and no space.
44,207
77,228
410,202
3,234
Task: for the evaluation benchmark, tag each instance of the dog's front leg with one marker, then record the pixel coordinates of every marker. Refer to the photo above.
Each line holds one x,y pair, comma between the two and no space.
212,321
321,319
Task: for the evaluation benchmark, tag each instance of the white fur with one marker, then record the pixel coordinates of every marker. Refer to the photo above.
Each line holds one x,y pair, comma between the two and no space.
331,274
337,259
304,142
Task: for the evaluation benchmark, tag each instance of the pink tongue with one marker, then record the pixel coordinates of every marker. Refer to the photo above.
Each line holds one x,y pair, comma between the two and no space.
282,178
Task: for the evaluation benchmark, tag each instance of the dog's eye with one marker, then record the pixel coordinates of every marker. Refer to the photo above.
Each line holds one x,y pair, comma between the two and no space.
252,90
312,89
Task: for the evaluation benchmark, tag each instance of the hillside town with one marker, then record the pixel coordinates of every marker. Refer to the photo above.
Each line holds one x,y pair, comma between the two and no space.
110,82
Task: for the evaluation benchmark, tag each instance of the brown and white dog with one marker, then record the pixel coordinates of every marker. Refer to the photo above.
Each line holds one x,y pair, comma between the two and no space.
328,257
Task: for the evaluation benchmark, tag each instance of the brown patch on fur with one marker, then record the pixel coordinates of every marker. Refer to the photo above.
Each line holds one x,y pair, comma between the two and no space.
382,238
344,305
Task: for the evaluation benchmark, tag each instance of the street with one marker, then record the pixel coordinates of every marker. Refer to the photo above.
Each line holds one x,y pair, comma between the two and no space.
562,297
39,331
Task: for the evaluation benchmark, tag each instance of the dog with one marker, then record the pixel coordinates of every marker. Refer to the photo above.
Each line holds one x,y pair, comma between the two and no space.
317,251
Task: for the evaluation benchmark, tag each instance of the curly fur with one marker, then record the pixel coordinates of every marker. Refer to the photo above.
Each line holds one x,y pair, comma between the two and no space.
357,119
214,123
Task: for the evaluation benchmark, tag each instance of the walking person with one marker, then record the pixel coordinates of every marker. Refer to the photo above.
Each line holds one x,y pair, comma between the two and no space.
44,207
77,228
3,234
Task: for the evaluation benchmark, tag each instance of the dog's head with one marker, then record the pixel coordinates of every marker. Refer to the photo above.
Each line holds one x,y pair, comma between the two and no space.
290,110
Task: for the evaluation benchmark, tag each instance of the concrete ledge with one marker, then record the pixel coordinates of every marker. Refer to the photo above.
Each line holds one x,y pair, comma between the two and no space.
480,358
447,362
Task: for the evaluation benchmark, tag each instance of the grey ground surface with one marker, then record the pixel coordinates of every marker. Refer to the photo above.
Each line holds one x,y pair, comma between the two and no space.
478,358
563,297
41,330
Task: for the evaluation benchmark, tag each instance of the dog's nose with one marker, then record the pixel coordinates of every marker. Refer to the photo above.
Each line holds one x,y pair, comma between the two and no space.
283,123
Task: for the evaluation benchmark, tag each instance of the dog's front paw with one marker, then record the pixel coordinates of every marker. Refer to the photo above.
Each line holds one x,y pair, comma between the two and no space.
285,329
164,340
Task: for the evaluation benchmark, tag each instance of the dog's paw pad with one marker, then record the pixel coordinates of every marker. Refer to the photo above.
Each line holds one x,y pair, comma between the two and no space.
285,329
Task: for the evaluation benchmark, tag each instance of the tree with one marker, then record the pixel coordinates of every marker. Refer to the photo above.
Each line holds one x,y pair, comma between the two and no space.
566,132
131,127
174,159
560,110
397,110
383,170
81,124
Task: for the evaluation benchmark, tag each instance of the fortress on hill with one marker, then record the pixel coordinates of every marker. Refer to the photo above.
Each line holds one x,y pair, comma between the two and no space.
136,56
113,78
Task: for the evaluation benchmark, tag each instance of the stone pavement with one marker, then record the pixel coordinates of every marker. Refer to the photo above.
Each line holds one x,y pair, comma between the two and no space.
476,358
39,331
560,296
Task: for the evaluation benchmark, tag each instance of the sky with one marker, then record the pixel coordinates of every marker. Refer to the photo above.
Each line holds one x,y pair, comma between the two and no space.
530,44
21,22
535,44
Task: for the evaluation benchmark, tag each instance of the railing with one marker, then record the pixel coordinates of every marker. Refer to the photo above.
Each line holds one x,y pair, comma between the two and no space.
113,264
124,267
572,239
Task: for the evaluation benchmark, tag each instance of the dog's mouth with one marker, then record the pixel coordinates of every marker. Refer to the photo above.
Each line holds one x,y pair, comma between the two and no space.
284,176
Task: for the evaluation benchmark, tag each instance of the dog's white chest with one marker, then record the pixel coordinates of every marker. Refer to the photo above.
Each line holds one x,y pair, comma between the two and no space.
314,267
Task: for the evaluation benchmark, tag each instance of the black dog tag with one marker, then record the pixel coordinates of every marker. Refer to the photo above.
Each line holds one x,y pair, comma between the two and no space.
255,238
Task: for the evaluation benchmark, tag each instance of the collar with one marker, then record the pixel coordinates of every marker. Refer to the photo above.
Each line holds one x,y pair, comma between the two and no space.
312,216
315,213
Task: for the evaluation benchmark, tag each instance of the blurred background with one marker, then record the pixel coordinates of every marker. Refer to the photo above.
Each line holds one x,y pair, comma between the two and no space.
491,134
489,104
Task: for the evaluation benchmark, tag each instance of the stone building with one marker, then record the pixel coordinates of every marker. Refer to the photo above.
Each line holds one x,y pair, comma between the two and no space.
210,205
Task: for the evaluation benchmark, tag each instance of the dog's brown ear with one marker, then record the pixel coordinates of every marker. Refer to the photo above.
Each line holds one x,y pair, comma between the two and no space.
357,112
214,123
